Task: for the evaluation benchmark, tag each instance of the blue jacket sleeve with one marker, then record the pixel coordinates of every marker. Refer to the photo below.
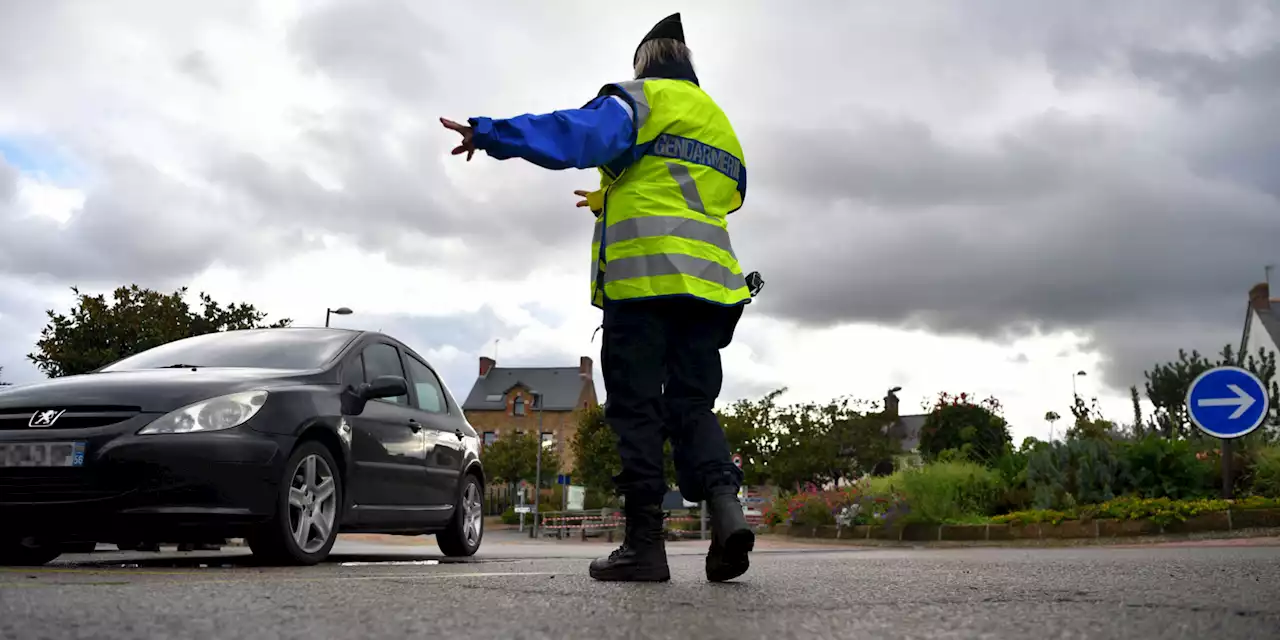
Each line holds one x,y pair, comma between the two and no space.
572,138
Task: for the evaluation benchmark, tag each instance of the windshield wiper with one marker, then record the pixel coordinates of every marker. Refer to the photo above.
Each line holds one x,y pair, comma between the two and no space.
180,366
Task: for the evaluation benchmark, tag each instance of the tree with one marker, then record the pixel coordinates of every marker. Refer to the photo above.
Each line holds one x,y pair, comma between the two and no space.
97,333
1138,425
974,429
750,426
1051,417
1089,423
514,457
819,444
1167,386
595,453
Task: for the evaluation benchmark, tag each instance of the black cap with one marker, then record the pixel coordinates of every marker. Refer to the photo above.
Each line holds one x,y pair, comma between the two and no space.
668,27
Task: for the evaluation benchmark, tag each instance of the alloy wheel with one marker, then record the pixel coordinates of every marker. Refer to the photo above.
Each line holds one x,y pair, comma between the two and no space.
313,504
472,515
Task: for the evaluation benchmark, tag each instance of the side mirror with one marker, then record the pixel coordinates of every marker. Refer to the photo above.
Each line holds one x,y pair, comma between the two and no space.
355,399
384,387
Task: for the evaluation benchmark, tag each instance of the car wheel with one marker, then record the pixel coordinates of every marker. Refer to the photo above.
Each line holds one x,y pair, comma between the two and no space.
305,525
27,552
466,528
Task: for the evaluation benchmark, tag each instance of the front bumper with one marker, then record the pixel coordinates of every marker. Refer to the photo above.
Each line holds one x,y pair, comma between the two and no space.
146,487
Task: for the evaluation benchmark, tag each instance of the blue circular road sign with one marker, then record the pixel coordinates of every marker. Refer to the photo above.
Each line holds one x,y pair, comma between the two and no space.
1227,402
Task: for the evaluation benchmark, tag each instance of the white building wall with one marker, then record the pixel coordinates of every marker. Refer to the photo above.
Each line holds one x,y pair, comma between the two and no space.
1259,337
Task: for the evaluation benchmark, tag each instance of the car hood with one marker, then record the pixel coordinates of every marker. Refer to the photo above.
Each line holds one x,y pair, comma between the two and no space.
151,390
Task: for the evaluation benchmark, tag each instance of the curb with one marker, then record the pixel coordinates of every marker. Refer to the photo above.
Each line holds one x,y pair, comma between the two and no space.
1234,520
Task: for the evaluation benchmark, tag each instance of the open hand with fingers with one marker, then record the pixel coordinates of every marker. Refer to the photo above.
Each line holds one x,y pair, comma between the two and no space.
593,200
467,145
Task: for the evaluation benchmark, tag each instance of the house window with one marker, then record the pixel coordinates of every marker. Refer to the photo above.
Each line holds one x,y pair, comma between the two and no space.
489,438
518,407
548,440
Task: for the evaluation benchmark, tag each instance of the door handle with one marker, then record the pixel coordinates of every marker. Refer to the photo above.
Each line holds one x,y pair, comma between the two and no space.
415,426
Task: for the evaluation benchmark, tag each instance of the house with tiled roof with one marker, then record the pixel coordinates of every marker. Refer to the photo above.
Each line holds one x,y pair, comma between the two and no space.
1262,323
905,430
902,430
501,402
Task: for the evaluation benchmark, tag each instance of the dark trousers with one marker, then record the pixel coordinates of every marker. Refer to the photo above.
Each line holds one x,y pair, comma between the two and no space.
662,374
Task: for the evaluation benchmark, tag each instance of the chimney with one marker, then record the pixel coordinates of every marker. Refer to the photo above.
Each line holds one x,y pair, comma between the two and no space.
486,364
585,368
1260,297
891,405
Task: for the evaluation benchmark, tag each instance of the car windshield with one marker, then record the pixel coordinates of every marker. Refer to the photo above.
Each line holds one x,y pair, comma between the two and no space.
290,348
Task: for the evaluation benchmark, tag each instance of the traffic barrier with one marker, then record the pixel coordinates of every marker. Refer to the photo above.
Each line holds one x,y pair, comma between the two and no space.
608,523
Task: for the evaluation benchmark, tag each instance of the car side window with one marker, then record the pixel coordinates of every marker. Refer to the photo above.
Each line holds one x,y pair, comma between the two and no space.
426,386
384,360
353,372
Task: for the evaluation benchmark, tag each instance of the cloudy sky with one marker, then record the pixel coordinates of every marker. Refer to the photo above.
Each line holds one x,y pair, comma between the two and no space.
981,196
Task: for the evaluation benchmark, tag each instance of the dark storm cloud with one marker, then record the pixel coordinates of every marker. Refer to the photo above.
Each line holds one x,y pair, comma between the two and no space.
394,198
1101,232
379,45
140,226
866,204
895,162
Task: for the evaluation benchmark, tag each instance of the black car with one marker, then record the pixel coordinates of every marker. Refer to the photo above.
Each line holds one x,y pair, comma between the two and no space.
284,437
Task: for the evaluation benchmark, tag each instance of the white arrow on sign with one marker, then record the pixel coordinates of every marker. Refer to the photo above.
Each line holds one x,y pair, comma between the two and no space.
1241,402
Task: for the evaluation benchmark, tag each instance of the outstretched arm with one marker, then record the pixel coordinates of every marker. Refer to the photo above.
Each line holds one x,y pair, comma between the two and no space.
572,138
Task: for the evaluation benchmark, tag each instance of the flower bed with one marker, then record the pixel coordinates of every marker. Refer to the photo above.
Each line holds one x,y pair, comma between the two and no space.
1125,517
1161,511
847,506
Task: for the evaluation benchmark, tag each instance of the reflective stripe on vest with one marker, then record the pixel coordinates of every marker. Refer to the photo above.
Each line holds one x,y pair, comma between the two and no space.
661,230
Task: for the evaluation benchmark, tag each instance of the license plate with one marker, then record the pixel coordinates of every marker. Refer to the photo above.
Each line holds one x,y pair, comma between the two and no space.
42,454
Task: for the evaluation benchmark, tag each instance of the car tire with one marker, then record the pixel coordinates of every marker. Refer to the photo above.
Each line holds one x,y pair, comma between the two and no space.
26,552
466,527
308,510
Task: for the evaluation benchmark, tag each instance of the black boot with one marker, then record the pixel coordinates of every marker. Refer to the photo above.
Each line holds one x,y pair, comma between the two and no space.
643,554
731,537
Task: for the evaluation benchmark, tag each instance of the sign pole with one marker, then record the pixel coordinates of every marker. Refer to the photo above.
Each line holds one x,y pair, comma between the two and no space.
1227,480
537,474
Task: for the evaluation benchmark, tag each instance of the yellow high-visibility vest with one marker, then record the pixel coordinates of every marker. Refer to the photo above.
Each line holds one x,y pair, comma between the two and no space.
661,230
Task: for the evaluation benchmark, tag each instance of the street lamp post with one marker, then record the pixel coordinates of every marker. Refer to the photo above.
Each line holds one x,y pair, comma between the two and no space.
1073,385
340,311
537,470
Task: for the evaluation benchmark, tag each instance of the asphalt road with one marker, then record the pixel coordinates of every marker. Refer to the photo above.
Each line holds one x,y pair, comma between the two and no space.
522,589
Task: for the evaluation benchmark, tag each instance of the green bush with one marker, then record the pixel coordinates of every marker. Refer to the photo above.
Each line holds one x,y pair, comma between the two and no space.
1158,467
944,491
1266,472
1012,469
510,516
813,510
1158,510
957,423
1063,474
595,500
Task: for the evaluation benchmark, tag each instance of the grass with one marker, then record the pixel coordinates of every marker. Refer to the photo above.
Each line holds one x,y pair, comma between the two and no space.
944,492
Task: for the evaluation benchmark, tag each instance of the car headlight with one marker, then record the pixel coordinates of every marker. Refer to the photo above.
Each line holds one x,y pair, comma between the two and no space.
214,414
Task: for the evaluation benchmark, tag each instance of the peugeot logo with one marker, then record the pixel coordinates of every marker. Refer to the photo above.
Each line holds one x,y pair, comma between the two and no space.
45,418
